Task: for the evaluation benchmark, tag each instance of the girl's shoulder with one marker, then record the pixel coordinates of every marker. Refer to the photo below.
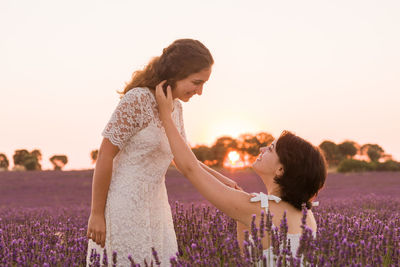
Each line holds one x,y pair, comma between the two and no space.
138,91
139,96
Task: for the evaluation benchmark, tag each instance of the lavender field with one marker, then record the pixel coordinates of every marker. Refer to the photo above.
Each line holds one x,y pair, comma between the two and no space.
43,219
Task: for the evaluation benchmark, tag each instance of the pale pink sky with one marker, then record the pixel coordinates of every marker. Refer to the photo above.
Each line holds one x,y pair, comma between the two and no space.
322,69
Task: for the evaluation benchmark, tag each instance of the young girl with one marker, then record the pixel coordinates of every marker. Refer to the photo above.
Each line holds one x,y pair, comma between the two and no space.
130,212
292,170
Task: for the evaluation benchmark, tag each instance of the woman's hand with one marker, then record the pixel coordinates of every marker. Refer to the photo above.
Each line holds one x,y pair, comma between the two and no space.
97,229
232,184
165,102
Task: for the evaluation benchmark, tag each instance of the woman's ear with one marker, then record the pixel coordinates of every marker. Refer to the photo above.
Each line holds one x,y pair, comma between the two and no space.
279,171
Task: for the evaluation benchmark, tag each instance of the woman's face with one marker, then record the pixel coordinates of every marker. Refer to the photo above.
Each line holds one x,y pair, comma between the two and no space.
191,85
268,162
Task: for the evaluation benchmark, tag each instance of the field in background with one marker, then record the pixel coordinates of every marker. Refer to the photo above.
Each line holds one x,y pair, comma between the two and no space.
43,220
73,188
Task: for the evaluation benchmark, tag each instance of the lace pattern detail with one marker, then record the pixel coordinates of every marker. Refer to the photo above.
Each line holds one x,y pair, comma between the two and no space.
131,115
138,215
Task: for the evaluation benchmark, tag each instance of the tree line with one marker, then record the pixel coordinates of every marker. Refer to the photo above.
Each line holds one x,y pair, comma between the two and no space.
30,161
346,156
350,156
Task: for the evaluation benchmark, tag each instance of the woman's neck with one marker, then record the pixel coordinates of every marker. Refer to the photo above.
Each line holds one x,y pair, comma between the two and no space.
272,187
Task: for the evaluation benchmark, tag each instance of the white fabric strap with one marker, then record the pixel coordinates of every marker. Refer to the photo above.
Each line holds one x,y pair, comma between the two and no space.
264,199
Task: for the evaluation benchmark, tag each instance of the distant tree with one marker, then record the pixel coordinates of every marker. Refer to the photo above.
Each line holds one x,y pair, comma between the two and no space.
352,165
374,151
389,165
265,139
387,157
202,153
348,149
331,152
27,159
93,155
36,153
221,147
19,168
4,163
251,143
20,156
59,161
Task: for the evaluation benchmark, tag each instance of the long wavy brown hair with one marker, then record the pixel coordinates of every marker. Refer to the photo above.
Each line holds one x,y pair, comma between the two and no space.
179,60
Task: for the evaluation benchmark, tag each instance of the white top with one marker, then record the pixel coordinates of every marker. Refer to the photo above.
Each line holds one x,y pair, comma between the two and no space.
294,238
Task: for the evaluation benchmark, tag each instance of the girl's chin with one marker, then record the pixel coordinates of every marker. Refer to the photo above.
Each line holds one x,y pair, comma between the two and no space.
184,99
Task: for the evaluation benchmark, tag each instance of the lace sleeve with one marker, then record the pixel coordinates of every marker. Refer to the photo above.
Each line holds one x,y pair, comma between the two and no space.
130,116
180,125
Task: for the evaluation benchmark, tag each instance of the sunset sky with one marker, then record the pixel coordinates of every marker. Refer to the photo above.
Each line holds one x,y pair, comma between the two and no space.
322,69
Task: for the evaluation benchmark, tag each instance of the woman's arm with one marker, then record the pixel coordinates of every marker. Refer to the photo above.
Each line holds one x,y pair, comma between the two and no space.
222,178
233,202
100,185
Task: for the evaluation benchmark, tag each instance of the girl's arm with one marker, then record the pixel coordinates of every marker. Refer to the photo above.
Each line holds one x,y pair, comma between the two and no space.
100,185
233,202
127,120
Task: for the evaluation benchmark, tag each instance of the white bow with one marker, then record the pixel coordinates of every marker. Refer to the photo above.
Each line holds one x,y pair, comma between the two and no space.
264,199
315,203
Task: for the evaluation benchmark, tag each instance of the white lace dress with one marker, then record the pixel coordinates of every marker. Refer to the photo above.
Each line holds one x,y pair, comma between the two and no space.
138,215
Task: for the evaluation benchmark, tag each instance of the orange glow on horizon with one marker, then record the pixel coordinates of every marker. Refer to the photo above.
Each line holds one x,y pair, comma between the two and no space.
236,160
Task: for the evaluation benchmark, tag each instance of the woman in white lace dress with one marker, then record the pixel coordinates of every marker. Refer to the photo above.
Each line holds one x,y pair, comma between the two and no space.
130,212
292,169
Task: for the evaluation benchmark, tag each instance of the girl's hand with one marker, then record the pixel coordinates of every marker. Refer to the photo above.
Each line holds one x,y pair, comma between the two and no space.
97,229
165,102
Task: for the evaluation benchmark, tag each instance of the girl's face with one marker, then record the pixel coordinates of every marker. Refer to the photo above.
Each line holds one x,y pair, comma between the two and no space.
191,85
268,162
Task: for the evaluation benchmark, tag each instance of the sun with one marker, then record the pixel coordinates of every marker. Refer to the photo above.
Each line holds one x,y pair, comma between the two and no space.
236,160
234,157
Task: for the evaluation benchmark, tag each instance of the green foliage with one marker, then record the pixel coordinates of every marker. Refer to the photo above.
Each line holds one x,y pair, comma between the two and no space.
59,161
264,139
31,163
4,163
221,147
246,143
374,151
389,165
348,149
352,165
332,153
251,144
93,155
202,153
30,160
20,156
